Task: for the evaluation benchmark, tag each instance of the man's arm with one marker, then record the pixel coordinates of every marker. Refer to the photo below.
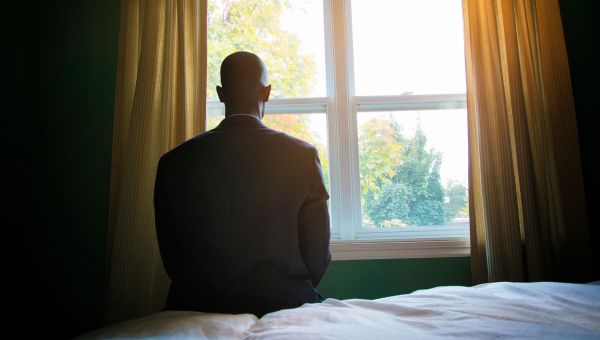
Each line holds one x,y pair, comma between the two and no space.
313,226
164,234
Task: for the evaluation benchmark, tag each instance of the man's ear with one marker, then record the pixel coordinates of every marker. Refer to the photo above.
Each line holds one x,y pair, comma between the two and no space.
266,93
221,94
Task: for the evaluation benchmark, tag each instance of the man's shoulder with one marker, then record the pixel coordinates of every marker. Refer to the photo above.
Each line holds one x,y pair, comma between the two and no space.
293,141
214,138
183,147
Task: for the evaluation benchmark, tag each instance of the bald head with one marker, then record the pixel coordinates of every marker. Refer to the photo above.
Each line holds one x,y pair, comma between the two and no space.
244,83
243,67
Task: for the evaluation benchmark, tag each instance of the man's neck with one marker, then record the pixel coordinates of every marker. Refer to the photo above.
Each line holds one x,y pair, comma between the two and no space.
241,114
252,110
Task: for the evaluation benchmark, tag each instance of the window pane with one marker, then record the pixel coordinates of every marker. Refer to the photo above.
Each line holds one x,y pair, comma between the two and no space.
408,47
213,119
287,35
413,168
310,127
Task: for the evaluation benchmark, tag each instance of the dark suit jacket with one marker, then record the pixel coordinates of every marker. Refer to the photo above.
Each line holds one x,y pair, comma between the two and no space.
242,220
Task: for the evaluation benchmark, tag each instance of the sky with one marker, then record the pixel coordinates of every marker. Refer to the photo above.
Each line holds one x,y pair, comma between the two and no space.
399,47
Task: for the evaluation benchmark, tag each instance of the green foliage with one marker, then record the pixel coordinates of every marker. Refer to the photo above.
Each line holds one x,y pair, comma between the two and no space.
457,200
433,201
380,153
407,190
254,26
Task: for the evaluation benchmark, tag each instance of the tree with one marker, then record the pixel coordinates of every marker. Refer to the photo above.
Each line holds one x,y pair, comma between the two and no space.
412,192
457,204
380,153
433,202
254,26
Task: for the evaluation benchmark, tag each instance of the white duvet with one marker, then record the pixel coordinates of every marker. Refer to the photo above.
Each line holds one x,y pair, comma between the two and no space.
548,310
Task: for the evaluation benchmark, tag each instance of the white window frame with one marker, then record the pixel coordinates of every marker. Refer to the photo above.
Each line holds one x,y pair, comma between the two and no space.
341,106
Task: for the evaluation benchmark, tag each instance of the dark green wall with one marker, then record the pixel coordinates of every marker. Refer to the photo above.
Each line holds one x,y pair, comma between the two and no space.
62,88
371,279
580,23
71,58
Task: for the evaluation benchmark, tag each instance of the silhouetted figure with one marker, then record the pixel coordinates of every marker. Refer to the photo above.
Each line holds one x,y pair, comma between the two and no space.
241,210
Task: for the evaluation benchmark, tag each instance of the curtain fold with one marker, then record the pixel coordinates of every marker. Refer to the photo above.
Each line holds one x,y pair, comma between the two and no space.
527,204
160,101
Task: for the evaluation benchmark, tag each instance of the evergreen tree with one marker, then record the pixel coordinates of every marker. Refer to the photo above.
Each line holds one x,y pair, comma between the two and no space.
457,204
434,213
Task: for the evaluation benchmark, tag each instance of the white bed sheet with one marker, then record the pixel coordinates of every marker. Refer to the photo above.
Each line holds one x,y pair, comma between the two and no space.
548,310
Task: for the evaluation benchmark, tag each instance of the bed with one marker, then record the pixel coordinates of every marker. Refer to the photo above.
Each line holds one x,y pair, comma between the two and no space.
548,310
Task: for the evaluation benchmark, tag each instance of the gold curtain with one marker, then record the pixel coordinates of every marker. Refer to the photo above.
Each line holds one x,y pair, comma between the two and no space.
527,204
160,101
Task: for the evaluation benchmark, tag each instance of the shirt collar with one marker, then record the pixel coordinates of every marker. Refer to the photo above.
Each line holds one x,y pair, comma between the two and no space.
241,121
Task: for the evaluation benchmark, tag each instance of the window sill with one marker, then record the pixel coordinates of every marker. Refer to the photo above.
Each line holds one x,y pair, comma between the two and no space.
400,249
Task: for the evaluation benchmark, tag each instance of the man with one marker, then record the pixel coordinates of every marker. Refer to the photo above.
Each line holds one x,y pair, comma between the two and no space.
241,210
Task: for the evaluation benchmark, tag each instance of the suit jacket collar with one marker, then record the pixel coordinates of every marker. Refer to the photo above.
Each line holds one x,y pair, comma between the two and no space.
241,122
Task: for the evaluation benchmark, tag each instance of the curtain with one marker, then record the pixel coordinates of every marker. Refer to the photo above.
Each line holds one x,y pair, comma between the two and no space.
160,100
527,204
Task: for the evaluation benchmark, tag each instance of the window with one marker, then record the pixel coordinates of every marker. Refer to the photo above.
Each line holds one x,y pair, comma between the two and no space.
378,87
